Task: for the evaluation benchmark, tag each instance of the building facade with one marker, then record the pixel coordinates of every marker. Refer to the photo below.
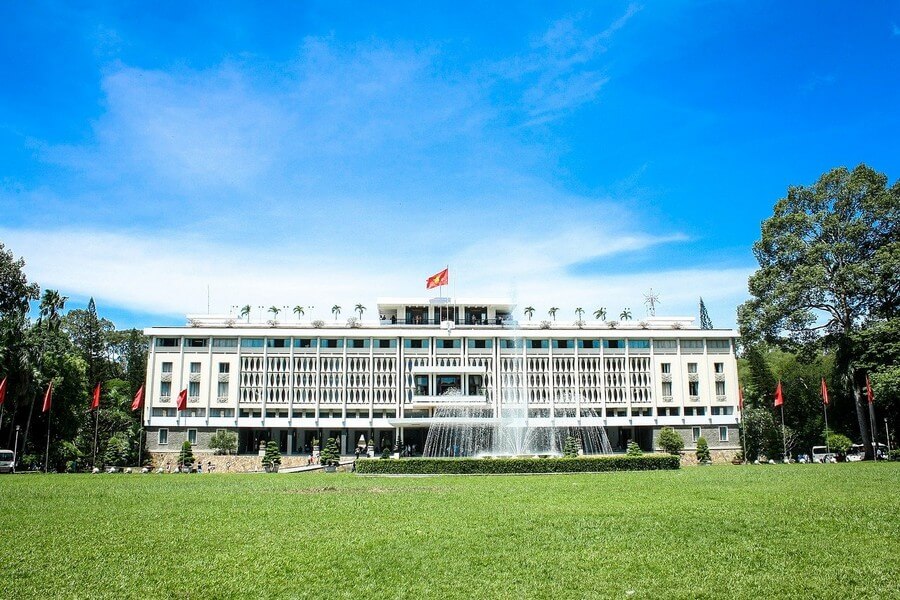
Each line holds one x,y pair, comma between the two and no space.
295,381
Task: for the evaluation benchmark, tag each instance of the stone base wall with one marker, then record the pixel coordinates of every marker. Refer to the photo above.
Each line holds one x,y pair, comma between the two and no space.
719,457
225,463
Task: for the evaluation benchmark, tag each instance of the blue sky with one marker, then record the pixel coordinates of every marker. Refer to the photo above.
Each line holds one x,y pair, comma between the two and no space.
560,154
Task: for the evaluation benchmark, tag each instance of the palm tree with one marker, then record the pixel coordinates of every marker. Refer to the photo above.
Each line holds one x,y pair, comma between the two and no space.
529,310
578,313
360,309
552,311
626,314
245,312
600,313
274,310
337,311
298,310
51,304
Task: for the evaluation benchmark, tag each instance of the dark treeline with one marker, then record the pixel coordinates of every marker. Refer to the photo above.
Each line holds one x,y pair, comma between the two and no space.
825,303
76,349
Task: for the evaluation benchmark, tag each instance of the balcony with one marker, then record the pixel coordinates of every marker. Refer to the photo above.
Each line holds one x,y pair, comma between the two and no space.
164,399
222,399
223,377
167,377
193,399
666,378
432,401
194,378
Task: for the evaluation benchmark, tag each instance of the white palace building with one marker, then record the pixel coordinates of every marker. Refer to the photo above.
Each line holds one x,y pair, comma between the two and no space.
293,381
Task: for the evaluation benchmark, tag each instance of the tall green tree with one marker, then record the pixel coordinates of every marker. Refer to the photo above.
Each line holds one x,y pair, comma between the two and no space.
829,265
91,336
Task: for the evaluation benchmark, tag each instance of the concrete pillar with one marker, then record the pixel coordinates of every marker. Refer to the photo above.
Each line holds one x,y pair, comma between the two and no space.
290,441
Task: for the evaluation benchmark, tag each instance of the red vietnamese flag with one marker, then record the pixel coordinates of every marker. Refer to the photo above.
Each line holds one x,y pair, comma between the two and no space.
95,402
2,391
869,394
740,399
182,399
48,397
442,278
824,392
779,397
138,399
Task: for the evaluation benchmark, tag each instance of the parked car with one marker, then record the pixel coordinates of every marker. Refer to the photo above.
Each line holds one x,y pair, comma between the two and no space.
857,452
6,461
821,454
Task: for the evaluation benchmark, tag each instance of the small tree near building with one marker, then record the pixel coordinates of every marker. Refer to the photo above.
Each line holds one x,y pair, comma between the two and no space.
570,448
223,442
634,449
186,456
670,441
116,454
839,443
703,451
272,458
331,454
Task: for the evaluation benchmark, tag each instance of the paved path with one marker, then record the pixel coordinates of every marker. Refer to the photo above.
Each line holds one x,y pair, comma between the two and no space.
310,468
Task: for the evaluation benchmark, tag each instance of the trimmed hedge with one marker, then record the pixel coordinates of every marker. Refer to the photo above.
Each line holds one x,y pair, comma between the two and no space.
495,466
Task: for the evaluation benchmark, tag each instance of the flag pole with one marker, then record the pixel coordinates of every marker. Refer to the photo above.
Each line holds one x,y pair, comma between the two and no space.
825,410
47,452
783,434
96,426
743,434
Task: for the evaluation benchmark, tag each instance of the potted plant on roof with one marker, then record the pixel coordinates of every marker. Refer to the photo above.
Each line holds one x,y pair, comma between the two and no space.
331,456
272,458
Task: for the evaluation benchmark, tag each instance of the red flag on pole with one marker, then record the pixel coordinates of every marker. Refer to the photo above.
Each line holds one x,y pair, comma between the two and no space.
138,399
48,397
740,398
779,397
2,391
442,278
182,399
869,394
824,392
95,402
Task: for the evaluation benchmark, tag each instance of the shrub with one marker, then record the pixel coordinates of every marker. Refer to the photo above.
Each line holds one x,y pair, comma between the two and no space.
634,449
894,454
223,441
272,457
116,454
670,441
186,456
570,448
839,443
703,450
496,466
331,454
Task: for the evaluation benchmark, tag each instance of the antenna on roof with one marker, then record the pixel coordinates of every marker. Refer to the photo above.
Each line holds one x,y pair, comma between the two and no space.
651,299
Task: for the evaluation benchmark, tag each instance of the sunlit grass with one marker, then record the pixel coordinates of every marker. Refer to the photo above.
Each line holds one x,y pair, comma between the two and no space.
803,531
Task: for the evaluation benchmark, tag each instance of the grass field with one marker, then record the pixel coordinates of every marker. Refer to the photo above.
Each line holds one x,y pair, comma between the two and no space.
784,531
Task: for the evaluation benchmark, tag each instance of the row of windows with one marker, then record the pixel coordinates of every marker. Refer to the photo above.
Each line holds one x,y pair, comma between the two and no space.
165,342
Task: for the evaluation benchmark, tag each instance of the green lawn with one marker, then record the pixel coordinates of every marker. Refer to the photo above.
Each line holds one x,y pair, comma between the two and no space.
800,531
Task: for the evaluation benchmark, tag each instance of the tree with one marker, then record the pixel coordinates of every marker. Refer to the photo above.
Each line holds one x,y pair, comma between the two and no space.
336,310
578,313
223,441
634,449
272,457
759,432
829,260
360,309
529,311
91,335
186,456
705,321
839,443
570,448
116,454
298,310
552,312
670,441
703,450
274,310
625,314
331,454
600,313
15,291
245,312
51,305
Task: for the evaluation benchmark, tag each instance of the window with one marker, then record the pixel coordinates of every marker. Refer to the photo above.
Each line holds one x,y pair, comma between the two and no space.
165,388
163,437
416,343
510,343
221,412
692,344
563,344
445,343
480,343
722,410
720,388
693,388
251,342
694,411
664,344
194,388
668,411
476,385
225,343
695,432
223,389
357,343
639,344
254,413
304,343
665,368
192,436
641,412
277,343
666,388
613,343
166,342
538,344
195,367
385,343
163,412
723,434
692,367
196,412
718,344
167,367
224,367
719,367
588,343
196,342
616,412
421,385
332,343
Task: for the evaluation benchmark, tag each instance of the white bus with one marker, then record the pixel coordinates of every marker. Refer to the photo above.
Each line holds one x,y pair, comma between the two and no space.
6,461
